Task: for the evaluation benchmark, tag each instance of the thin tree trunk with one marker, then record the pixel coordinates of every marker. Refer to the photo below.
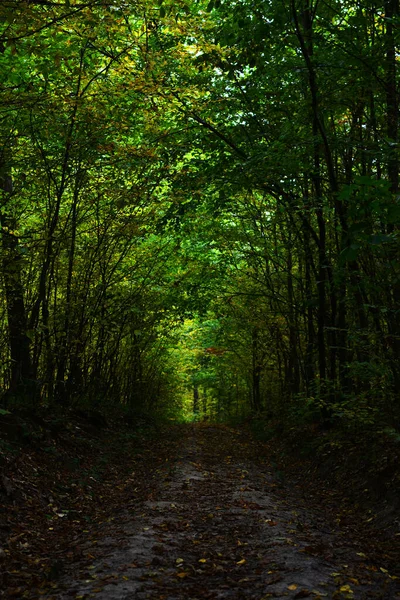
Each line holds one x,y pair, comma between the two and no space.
195,399
256,372
19,342
65,342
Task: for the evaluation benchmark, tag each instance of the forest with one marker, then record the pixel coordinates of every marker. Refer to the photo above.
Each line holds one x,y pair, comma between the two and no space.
201,200
199,219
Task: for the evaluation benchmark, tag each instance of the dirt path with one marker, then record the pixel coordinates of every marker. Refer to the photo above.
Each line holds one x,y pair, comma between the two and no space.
220,525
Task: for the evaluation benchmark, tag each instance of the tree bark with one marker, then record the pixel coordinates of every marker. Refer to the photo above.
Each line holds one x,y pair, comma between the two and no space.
19,342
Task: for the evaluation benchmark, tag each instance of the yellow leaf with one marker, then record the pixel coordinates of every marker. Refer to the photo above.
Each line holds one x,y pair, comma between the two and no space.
346,588
292,587
241,562
182,575
203,560
179,561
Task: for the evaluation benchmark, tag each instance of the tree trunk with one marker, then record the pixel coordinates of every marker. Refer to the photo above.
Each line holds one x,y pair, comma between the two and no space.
256,372
19,342
195,399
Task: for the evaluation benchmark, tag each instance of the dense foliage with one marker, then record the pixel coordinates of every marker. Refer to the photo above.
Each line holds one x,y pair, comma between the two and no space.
200,207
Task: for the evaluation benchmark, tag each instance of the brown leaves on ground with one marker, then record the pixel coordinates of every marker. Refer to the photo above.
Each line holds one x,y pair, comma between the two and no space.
56,486
209,500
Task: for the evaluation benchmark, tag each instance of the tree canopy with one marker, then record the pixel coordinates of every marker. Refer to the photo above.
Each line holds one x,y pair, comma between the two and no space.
199,207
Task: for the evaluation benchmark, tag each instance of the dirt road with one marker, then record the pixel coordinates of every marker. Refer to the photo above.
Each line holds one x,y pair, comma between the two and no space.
221,525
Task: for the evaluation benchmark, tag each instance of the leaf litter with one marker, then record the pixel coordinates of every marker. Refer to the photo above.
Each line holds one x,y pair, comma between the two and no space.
207,519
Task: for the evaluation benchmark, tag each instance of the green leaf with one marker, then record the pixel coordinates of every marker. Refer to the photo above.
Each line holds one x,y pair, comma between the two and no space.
356,227
350,253
393,213
380,238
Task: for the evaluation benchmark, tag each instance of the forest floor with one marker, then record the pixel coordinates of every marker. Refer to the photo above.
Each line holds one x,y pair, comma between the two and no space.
194,512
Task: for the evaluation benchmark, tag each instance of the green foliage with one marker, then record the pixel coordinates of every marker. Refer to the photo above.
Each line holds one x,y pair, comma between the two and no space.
201,199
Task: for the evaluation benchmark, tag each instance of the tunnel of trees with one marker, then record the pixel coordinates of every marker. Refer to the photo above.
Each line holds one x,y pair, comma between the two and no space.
199,208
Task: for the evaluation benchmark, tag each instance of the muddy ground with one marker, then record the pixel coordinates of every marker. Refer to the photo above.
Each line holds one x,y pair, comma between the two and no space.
218,523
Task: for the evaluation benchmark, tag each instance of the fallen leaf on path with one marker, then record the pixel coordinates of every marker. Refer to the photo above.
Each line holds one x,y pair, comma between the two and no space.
13,592
274,579
241,562
346,588
292,587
